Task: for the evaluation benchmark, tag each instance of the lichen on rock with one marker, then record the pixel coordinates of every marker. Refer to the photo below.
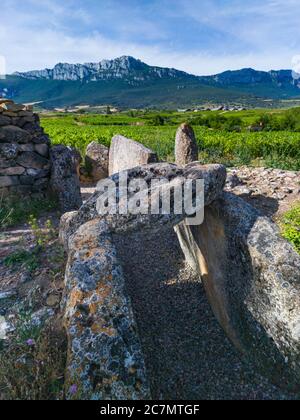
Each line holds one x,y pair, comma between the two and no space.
105,358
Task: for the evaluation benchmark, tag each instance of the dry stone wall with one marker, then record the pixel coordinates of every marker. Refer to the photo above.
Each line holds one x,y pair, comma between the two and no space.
24,151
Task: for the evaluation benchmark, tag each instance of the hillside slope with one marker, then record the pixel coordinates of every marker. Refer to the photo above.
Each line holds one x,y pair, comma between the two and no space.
128,82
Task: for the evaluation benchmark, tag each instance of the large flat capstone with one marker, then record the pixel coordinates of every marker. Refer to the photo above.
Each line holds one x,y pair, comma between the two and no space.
214,177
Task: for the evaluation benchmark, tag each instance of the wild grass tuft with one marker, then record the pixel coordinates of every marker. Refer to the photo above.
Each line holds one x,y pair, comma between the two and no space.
16,211
32,364
290,226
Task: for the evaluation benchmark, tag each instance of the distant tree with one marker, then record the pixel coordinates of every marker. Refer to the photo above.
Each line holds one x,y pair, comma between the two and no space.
269,122
198,121
158,120
291,120
263,121
132,114
233,124
216,121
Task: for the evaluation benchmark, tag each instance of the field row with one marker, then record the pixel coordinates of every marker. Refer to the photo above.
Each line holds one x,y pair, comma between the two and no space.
273,149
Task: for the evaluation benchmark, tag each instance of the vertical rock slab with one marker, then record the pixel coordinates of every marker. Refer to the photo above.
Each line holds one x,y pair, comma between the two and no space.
96,159
126,154
252,279
77,159
186,148
14,134
105,359
64,179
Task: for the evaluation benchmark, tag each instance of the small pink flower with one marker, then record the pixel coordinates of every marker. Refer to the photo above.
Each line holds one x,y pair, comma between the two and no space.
30,342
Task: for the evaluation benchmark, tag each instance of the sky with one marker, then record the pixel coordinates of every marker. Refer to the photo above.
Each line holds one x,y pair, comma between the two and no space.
198,36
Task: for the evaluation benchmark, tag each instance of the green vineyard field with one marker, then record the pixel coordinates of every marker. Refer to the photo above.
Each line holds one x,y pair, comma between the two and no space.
278,149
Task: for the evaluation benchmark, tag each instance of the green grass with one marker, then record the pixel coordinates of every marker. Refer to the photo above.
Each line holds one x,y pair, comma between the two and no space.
153,93
13,212
290,225
42,236
280,149
28,259
33,372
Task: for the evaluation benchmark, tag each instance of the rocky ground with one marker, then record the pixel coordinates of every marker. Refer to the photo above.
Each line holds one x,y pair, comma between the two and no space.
48,262
272,191
32,265
187,353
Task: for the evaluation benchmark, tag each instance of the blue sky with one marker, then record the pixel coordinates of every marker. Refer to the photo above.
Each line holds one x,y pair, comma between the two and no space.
198,36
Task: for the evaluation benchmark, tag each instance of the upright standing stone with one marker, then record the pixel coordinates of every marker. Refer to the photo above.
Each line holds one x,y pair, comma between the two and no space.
77,159
64,179
127,154
186,148
96,159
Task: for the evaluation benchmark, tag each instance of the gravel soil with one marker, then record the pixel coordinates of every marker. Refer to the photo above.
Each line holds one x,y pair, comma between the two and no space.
272,191
187,353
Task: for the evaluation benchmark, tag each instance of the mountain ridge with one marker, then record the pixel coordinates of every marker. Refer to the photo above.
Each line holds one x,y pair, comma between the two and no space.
122,67
130,83
125,65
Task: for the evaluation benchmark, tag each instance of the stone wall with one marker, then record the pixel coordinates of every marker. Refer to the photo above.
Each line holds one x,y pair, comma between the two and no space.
24,152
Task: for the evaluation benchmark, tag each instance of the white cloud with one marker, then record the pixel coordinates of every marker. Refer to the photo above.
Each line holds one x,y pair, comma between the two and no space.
261,25
51,47
46,34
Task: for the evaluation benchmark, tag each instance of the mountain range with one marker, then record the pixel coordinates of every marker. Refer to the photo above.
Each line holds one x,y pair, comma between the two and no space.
130,83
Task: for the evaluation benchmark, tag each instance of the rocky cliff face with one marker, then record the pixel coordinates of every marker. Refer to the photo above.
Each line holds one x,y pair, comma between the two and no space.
120,68
130,69
130,83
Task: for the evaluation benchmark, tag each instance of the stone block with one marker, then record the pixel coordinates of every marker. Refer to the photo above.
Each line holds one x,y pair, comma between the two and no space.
126,154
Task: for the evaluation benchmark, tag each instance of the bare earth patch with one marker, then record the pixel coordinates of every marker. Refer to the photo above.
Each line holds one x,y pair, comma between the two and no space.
32,265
